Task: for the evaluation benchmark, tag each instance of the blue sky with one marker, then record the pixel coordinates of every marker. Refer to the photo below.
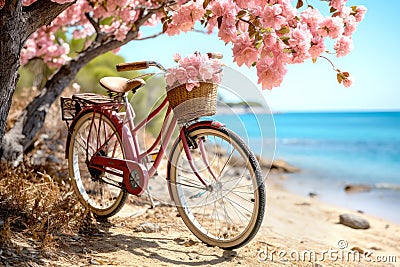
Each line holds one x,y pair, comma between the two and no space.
311,87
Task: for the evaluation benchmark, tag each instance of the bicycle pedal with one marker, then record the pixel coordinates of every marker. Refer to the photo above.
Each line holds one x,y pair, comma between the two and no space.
152,156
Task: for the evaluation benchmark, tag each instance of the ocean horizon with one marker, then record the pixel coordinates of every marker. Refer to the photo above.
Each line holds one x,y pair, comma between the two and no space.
332,149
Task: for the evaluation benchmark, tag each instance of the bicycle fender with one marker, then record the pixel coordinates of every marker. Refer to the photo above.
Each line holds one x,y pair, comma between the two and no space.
210,123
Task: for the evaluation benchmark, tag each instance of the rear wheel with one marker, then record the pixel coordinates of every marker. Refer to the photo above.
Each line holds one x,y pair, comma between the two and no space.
99,191
228,211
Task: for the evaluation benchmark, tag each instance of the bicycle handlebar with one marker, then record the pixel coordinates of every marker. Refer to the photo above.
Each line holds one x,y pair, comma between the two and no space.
141,65
132,66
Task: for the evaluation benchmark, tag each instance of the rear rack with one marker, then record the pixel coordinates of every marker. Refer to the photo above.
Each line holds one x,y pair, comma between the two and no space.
70,107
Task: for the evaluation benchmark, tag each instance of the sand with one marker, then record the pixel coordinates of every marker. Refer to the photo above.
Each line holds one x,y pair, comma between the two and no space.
296,231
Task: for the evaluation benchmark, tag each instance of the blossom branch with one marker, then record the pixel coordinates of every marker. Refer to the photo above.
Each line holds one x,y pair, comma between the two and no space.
95,24
248,22
341,76
150,37
330,62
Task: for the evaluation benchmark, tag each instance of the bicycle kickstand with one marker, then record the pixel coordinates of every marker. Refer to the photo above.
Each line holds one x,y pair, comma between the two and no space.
153,203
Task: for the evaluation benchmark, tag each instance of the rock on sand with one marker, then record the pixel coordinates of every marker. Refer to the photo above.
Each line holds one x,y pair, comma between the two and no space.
353,221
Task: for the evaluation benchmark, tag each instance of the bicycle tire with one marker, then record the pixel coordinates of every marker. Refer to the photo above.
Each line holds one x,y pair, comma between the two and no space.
102,199
196,204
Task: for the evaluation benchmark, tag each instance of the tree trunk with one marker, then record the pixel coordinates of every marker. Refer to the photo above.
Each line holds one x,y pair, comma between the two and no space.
11,41
20,137
17,23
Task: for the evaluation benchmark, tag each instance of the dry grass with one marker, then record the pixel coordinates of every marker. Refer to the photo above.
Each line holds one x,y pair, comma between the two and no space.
35,206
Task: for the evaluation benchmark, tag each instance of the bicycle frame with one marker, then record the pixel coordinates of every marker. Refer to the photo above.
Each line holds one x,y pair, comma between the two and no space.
132,169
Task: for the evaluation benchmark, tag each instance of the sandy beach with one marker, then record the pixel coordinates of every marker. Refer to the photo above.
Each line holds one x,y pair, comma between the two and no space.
297,231
297,223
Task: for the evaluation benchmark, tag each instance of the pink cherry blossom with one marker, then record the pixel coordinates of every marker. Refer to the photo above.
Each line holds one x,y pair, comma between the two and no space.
245,4
177,57
270,72
193,69
62,1
169,78
312,18
279,35
288,11
338,4
27,2
217,78
317,47
360,13
271,68
183,20
222,7
271,17
226,10
300,43
346,12
191,84
351,26
343,46
348,81
227,33
206,71
244,51
181,75
331,26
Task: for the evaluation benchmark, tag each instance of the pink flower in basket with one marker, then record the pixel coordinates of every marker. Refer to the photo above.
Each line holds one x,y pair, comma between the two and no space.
192,70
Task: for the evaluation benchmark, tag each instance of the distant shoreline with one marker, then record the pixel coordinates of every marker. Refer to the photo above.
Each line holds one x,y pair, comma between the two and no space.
230,108
370,202
239,110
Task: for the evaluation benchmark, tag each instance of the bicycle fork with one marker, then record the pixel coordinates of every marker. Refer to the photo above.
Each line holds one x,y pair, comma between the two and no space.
185,138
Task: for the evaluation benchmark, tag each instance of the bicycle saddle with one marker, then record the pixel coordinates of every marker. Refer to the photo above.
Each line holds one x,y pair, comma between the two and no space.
121,85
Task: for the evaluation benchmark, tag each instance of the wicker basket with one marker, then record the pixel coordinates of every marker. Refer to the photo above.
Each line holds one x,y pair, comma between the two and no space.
190,105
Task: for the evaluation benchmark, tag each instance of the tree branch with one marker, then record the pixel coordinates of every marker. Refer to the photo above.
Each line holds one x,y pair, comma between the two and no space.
32,119
96,26
330,62
94,23
10,6
249,22
42,12
150,37
148,12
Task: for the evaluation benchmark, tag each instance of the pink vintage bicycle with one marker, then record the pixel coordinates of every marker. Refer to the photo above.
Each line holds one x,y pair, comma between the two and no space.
212,176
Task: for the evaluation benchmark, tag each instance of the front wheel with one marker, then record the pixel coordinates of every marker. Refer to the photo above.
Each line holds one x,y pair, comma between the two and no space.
226,212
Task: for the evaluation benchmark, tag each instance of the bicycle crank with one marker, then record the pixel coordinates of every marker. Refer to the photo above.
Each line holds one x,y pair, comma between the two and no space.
135,175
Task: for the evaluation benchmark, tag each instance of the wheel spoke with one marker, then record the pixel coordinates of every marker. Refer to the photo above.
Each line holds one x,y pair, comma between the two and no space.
100,190
226,163
226,213
188,185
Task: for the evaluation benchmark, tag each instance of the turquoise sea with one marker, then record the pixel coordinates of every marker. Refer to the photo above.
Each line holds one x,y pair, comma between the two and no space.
333,149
